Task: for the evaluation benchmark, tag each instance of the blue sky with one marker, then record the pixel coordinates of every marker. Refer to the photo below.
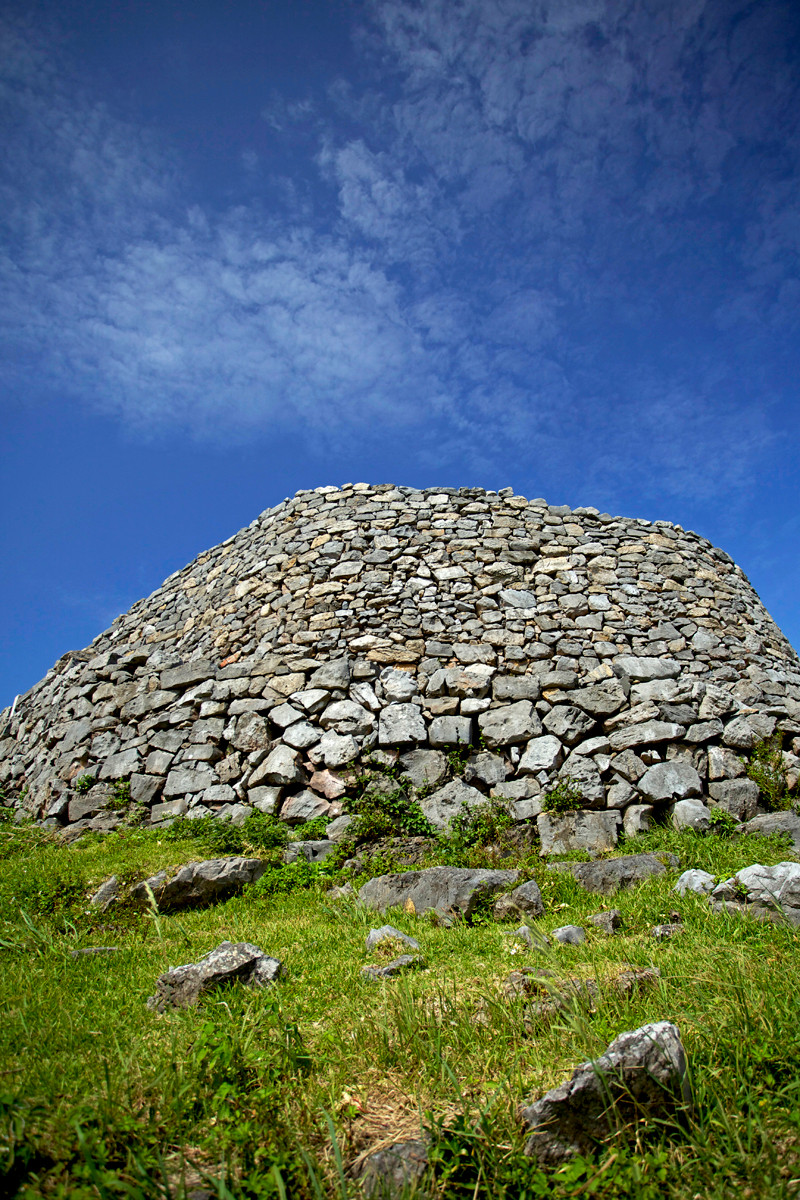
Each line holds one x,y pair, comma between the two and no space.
248,248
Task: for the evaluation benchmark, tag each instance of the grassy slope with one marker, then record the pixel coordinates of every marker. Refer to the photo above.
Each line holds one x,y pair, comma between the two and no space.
101,1097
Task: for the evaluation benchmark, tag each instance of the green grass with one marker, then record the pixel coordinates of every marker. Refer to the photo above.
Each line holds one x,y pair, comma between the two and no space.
101,1098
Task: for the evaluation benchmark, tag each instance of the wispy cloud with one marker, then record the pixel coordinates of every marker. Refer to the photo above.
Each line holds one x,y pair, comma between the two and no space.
564,231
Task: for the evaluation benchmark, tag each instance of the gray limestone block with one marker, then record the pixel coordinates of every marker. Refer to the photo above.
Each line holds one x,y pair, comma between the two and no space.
302,735
398,686
568,723
121,765
509,724
745,732
178,678
394,1170
450,731
251,733
724,763
183,781
516,687
219,793
690,814
600,699
620,794
424,767
607,875
646,668
608,922
265,799
645,733
445,889
145,788
776,887
284,715
158,762
385,932
400,724
629,766
738,796
441,806
106,894
489,769
240,961
199,883
703,731
778,822
332,675
527,898
673,780
311,851
345,716
695,880
637,818
334,750
541,754
561,833
304,806
168,810
279,768
569,935
642,1070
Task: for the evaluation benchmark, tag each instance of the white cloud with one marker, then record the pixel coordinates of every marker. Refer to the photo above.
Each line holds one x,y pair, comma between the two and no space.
511,252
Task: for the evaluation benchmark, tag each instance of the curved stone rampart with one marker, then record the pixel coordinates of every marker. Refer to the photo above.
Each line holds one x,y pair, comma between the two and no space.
553,640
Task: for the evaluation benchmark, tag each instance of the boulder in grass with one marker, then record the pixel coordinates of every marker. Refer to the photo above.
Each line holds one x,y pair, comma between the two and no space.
609,874
642,1071
230,961
392,1171
198,883
445,889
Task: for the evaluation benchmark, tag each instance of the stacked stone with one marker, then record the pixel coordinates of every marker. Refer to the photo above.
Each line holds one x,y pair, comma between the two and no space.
632,657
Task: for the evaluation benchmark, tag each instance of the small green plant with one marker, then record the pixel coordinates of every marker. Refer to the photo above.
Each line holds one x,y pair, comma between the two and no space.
564,796
120,794
311,831
457,757
478,825
722,822
384,806
83,783
767,768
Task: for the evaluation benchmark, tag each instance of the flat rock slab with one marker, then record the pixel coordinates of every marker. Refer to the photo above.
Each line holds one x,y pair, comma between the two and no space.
778,822
199,883
641,1069
608,875
228,962
446,889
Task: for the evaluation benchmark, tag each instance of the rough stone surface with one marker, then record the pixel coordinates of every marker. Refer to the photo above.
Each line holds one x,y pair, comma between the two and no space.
348,619
385,932
230,961
623,872
441,806
644,1069
570,935
561,833
690,814
694,880
446,889
779,822
199,883
670,781
392,1171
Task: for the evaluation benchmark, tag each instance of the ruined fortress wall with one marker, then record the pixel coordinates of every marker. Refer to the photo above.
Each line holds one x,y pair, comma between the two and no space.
346,619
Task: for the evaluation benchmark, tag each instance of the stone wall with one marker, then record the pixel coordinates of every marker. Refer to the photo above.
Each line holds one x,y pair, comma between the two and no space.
633,657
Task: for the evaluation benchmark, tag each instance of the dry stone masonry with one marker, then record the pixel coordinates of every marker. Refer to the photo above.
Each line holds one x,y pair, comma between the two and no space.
632,658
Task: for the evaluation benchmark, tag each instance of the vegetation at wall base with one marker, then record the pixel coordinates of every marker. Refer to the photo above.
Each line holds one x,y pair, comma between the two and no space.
277,1092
